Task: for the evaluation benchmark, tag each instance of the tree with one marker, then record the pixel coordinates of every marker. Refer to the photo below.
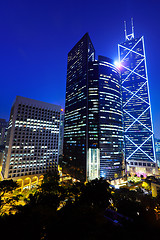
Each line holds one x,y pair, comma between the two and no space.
7,186
48,194
96,193
50,183
7,199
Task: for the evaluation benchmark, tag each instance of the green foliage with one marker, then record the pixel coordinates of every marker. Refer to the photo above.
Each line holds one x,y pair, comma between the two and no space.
96,193
76,211
7,186
135,204
50,183
8,201
48,194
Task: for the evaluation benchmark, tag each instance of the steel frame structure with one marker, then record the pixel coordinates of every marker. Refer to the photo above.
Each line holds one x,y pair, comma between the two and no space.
132,50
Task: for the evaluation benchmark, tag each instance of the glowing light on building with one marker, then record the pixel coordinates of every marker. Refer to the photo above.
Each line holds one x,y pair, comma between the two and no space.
117,64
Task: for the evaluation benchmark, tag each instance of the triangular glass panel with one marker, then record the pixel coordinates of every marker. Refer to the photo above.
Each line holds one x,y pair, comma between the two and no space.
137,156
145,119
148,148
135,107
140,69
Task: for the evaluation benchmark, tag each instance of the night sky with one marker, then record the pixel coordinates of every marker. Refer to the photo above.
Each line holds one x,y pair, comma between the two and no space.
36,36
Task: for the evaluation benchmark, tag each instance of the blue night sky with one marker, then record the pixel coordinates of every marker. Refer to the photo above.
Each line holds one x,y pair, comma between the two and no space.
36,36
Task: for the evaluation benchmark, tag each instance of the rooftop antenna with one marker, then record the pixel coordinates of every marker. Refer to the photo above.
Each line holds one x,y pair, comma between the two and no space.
129,36
125,30
132,27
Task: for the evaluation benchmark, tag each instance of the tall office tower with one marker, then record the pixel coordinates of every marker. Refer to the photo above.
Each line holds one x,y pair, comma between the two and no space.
32,139
3,136
3,131
61,133
110,120
93,115
139,142
76,117
105,133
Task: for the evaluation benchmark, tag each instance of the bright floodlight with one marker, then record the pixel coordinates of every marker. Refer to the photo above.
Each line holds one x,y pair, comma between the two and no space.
117,64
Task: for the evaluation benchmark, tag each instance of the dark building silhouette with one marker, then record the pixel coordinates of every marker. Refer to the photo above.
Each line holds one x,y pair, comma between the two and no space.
76,106
3,132
3,137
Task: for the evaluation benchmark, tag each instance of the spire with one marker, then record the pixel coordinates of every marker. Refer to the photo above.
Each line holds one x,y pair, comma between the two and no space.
129,36
125,30
132,27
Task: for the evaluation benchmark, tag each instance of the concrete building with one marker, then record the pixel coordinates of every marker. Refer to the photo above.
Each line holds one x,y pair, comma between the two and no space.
3,132
32,140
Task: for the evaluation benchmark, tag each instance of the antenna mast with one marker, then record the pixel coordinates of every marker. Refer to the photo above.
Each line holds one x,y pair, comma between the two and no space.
129,36
132,27
125,30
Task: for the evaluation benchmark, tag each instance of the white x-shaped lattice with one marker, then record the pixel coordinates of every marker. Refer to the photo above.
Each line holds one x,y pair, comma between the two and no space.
133,71
134,94
136,120
129,50
139,148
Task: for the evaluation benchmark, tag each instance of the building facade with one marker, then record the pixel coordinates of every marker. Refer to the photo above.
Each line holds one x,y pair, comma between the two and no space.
3,132
3,137
32,139
105,127
93,133
76,116
157,149
61,133
110,120
138,128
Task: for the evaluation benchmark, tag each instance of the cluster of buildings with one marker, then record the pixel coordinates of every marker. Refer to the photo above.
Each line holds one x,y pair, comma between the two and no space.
106,130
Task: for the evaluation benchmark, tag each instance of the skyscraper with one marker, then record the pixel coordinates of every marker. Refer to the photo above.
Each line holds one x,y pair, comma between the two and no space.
110,120
3,132
3,136
32,139
76,116
157,150
139,141
61,133
93,134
